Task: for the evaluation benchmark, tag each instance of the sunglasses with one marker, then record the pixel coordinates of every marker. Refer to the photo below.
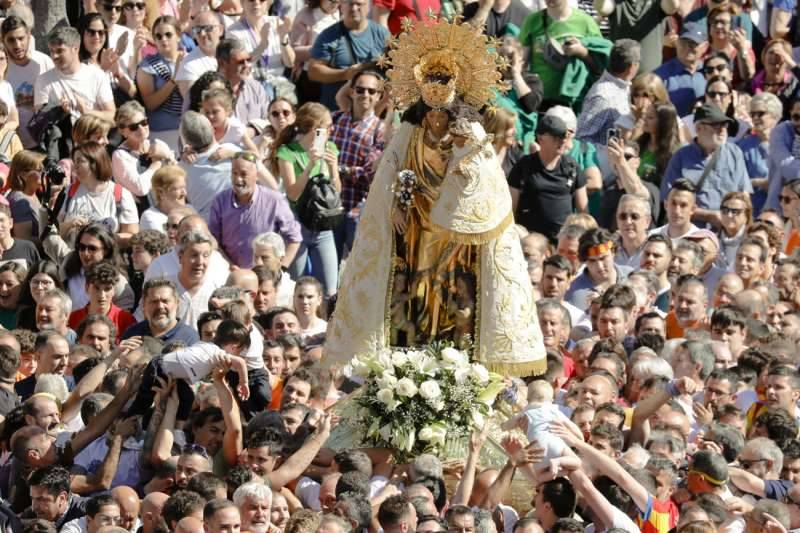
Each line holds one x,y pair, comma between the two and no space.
95,33
717,94
112,8
194,449
168,226
136,125
368,90
785,199
130,6
629,216
277,113
710,69
247,156
166,35
757,114
731,211
197,30
88,248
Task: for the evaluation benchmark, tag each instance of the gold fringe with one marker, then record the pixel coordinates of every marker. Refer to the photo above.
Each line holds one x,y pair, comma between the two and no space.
529,368
478,238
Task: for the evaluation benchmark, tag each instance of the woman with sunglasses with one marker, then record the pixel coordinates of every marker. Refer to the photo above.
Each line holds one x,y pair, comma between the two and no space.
137,158
139,16
94,50
719,92
155,78
119,36
736,212
280,113
723,37
25,177
296,160
41,278
310,21
780,74
766,111
93,243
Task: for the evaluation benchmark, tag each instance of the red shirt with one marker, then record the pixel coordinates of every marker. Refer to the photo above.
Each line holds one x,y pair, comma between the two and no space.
401,9
120,317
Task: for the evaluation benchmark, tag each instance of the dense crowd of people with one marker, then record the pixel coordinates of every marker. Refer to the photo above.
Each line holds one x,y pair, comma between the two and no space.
165,281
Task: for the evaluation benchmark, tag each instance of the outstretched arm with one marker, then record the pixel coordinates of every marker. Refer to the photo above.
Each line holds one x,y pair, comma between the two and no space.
232,440
299,461
467,481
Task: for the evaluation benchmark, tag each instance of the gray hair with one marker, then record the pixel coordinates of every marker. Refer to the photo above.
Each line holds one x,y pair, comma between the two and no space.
646,368
252,490
644,204
649,277
66,301
194,237
670,345
693,247
483,521
665,438
273,240
227,293
228,46
52,384
426,465
700,353
771,102
343,524
66,35
196,131
573,231
624,54
126,111
638,291
636,456
779,511
554,305
767,449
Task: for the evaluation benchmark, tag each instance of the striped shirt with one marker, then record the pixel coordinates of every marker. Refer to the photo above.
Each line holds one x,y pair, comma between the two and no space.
360,144
163,71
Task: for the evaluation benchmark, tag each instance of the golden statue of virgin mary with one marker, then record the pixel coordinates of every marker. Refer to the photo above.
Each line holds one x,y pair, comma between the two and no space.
436,255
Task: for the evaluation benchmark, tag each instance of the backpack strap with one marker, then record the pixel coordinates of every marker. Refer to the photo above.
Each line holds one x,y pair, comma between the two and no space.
6,141
117,199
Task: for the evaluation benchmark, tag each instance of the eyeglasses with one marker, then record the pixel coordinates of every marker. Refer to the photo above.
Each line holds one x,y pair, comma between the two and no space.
208,28
95,33
717,94
368,90
130,6
112,8
785,199
42,282
795,117
757,114
194,449
744,463
165,35
136,125
88,248
629,216
247,156
168,226
731,211
276,113
711,69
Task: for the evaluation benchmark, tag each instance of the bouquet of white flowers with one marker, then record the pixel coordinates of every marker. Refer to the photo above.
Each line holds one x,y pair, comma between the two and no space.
414,399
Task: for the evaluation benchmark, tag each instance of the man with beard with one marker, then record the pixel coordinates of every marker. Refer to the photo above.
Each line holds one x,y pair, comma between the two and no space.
656,257
248,209
254,501
160,304
691,303
719,391
52,354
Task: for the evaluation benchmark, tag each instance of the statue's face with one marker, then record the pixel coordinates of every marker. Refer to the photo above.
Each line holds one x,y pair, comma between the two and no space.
437,119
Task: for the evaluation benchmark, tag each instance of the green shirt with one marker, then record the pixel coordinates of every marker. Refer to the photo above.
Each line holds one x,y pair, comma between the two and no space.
578,24
298,157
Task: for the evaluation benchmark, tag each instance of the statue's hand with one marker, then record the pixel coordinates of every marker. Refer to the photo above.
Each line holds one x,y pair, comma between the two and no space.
399,219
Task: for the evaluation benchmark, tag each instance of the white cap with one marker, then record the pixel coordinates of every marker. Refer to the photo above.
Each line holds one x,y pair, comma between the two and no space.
566,114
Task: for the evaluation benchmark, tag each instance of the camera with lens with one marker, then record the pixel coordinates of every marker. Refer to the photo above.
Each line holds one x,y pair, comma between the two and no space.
52,173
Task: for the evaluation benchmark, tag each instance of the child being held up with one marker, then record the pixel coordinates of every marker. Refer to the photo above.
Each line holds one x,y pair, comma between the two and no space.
192,364
535,421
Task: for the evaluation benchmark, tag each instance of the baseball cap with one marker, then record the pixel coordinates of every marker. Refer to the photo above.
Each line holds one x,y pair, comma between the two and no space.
702,233
564,113
694,32
710,114
551,125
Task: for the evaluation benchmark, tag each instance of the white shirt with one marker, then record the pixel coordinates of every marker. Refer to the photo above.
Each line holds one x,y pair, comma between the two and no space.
664,230
242,31
75,526
101,206
193,363
194,65
255,353
285,293
620,520
88,81
318,326
125,166
234,132
153,218
192,305
21,79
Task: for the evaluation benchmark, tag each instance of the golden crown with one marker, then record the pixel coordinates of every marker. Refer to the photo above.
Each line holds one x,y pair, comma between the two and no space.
437,60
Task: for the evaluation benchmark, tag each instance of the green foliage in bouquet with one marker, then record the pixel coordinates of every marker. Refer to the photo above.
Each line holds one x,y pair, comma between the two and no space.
414,399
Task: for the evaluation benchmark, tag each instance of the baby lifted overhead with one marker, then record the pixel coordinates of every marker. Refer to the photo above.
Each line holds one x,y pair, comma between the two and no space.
535,421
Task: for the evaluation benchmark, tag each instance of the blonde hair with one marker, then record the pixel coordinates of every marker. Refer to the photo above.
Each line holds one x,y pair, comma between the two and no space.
652,86
89,126
583,220
540,391
164,178
220,94
126,111
237,310
497,121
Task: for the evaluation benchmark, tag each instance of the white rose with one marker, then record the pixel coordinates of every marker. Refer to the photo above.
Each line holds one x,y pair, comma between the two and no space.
399,359
385,396
439,434
477,419
480,373
461,374
386,381
360,368
405,387
430,390
385,361
453,356
425,433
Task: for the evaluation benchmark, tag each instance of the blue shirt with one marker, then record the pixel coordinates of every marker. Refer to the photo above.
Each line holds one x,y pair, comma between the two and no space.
334,48
684,87
582,286
756,159
728,175
181,332
783,166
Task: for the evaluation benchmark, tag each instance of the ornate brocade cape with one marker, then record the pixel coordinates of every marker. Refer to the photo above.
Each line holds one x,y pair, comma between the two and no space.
474,207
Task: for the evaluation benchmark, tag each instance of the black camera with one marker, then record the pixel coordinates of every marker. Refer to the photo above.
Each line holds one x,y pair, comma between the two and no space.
53,173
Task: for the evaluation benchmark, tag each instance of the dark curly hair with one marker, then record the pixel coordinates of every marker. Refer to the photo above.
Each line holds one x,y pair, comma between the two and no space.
202,84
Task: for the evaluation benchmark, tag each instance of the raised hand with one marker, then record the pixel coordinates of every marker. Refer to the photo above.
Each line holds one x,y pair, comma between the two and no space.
702,414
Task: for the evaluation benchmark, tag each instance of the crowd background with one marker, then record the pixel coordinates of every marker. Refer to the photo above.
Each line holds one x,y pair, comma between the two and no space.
164,294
